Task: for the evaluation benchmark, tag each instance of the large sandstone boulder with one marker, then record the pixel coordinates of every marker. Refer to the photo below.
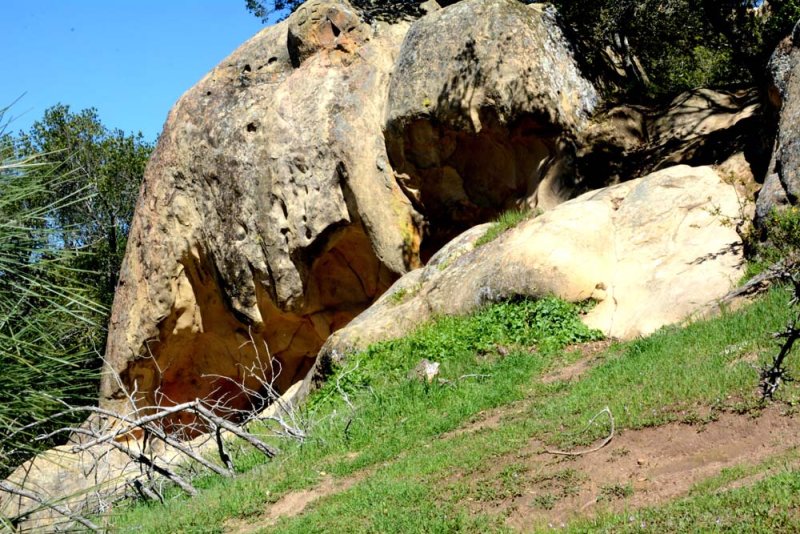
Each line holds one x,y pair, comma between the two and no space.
484,105
651,252
272,214
268,213
329,156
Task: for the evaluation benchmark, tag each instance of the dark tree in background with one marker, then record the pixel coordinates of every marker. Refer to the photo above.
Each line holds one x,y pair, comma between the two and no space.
668,46
67,192
643,49
268,10
108,165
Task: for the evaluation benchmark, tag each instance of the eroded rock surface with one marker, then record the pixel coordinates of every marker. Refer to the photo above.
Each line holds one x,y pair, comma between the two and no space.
484,104
268,218
327,157
275,210
782,183
698,127
650,251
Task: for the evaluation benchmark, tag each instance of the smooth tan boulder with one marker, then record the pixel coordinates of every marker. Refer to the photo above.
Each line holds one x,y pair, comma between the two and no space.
652,252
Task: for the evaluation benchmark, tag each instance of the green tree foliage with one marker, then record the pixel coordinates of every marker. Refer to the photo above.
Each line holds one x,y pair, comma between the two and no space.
644,49
110,165
67,192
272,10
48,319
667,46
656,47
267,11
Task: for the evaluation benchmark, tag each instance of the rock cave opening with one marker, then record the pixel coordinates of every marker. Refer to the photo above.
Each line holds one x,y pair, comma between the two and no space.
205,351
457,178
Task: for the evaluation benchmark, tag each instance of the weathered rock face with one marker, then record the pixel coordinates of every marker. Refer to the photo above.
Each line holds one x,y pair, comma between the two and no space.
328,157
698,127
650,251
268,216
483,105
782,183
271,215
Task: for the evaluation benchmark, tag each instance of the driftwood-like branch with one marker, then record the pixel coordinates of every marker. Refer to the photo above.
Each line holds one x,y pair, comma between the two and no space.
147,493
146,461
136,433
761,282
268,451
62,510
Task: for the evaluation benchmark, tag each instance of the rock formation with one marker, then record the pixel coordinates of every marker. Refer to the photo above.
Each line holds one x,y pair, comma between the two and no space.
698,127
649,252
782,183
484,105
332,155
274,210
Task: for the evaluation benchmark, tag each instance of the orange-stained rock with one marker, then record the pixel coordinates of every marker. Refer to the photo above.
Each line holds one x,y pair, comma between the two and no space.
271,214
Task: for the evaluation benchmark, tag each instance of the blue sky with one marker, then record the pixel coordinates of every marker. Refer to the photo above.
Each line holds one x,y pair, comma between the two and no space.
130,59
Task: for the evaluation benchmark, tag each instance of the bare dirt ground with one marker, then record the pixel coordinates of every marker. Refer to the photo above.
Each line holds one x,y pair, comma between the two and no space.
532,488
638,468
293,504
589,358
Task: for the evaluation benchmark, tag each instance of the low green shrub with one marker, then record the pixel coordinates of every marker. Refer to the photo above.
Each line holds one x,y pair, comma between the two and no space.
778,239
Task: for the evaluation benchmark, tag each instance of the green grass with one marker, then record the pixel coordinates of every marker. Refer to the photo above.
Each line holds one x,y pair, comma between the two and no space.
414,477
506,220
768,506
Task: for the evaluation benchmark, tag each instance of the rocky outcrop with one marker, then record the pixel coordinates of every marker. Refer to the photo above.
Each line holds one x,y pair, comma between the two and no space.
782,183
698,127
274,210
268,216
333,154
484,105
650,252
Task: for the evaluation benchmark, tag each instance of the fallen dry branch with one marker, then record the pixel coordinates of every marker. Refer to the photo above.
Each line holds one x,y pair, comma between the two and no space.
155,447
62,510
761,282
602,444
774,374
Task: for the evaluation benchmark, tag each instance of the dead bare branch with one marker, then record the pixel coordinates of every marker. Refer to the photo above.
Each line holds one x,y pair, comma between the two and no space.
62,510
774,374
156,438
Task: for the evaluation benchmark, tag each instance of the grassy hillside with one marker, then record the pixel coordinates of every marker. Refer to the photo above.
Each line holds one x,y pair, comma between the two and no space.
389,452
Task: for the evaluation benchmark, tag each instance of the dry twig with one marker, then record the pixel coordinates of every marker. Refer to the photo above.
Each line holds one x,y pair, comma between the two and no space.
602,444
